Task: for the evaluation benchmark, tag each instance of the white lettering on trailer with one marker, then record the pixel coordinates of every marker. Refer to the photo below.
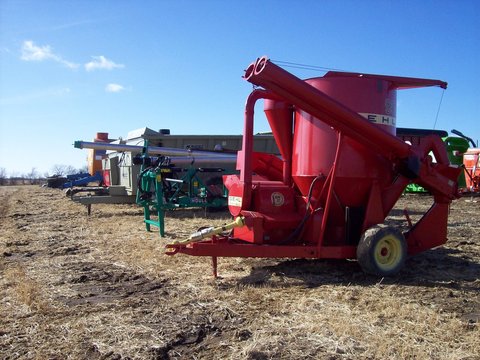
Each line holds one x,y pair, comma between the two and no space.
380,119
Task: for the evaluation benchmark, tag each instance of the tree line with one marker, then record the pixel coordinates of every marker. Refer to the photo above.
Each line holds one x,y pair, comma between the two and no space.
34,177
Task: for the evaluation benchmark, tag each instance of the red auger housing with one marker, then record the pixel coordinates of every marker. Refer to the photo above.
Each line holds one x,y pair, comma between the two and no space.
341,171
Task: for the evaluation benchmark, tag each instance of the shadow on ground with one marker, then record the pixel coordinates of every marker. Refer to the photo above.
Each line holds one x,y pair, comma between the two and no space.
442,267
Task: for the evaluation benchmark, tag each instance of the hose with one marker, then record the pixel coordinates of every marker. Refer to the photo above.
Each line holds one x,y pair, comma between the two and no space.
300,226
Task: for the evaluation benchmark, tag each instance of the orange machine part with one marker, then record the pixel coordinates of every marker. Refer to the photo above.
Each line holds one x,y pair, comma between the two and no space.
94,158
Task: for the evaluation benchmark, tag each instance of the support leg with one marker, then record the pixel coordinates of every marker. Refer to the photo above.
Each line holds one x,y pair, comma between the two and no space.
146,213
159,197
161,221
214,266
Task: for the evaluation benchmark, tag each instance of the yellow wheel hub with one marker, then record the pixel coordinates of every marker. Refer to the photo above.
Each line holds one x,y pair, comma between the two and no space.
388,252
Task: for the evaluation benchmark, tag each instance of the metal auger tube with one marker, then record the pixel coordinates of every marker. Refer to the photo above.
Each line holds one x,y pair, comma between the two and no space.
152,150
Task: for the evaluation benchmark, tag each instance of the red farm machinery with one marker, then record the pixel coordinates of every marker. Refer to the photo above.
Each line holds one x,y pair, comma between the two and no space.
341,171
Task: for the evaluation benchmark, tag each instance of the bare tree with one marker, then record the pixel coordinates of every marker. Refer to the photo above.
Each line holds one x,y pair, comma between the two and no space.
62,170
83,169
14,178
3,176
70,170
32,176
58,169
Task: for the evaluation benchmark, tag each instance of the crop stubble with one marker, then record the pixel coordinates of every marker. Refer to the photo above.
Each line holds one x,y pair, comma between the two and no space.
100,287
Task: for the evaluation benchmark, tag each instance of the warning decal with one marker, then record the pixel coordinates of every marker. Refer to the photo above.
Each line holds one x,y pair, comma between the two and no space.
235,201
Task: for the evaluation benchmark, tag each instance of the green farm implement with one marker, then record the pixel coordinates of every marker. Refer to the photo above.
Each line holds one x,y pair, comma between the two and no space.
162,186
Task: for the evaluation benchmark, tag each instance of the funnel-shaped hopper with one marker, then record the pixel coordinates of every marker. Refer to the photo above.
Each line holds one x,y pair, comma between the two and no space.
280,118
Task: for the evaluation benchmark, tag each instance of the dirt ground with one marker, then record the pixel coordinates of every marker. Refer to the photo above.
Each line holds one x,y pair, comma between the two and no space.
100,287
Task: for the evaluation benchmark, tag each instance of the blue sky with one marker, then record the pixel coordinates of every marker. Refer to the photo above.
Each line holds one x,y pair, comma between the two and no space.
70,69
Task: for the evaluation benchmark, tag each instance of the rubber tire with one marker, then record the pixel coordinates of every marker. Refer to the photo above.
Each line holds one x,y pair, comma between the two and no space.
369,255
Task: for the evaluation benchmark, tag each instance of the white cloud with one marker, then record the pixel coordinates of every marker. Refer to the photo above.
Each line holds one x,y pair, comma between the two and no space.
101,62
114,88
32,52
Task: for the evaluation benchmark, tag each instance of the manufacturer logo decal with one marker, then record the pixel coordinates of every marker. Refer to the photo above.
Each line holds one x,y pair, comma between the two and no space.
380,119
277,199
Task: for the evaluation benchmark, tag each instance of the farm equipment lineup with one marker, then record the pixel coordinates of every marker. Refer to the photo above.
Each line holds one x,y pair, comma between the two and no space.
164,184
319,185
341,171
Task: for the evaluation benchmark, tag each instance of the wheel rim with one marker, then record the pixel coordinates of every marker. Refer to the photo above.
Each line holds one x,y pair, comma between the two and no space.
388,253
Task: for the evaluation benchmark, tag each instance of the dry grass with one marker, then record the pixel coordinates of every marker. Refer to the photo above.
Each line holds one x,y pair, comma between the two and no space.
100,287
25,290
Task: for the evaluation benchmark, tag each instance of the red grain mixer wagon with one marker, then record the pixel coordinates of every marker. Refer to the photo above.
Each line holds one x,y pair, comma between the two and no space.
341,171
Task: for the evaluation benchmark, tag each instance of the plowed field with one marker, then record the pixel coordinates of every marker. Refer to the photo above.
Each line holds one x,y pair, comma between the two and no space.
100,287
